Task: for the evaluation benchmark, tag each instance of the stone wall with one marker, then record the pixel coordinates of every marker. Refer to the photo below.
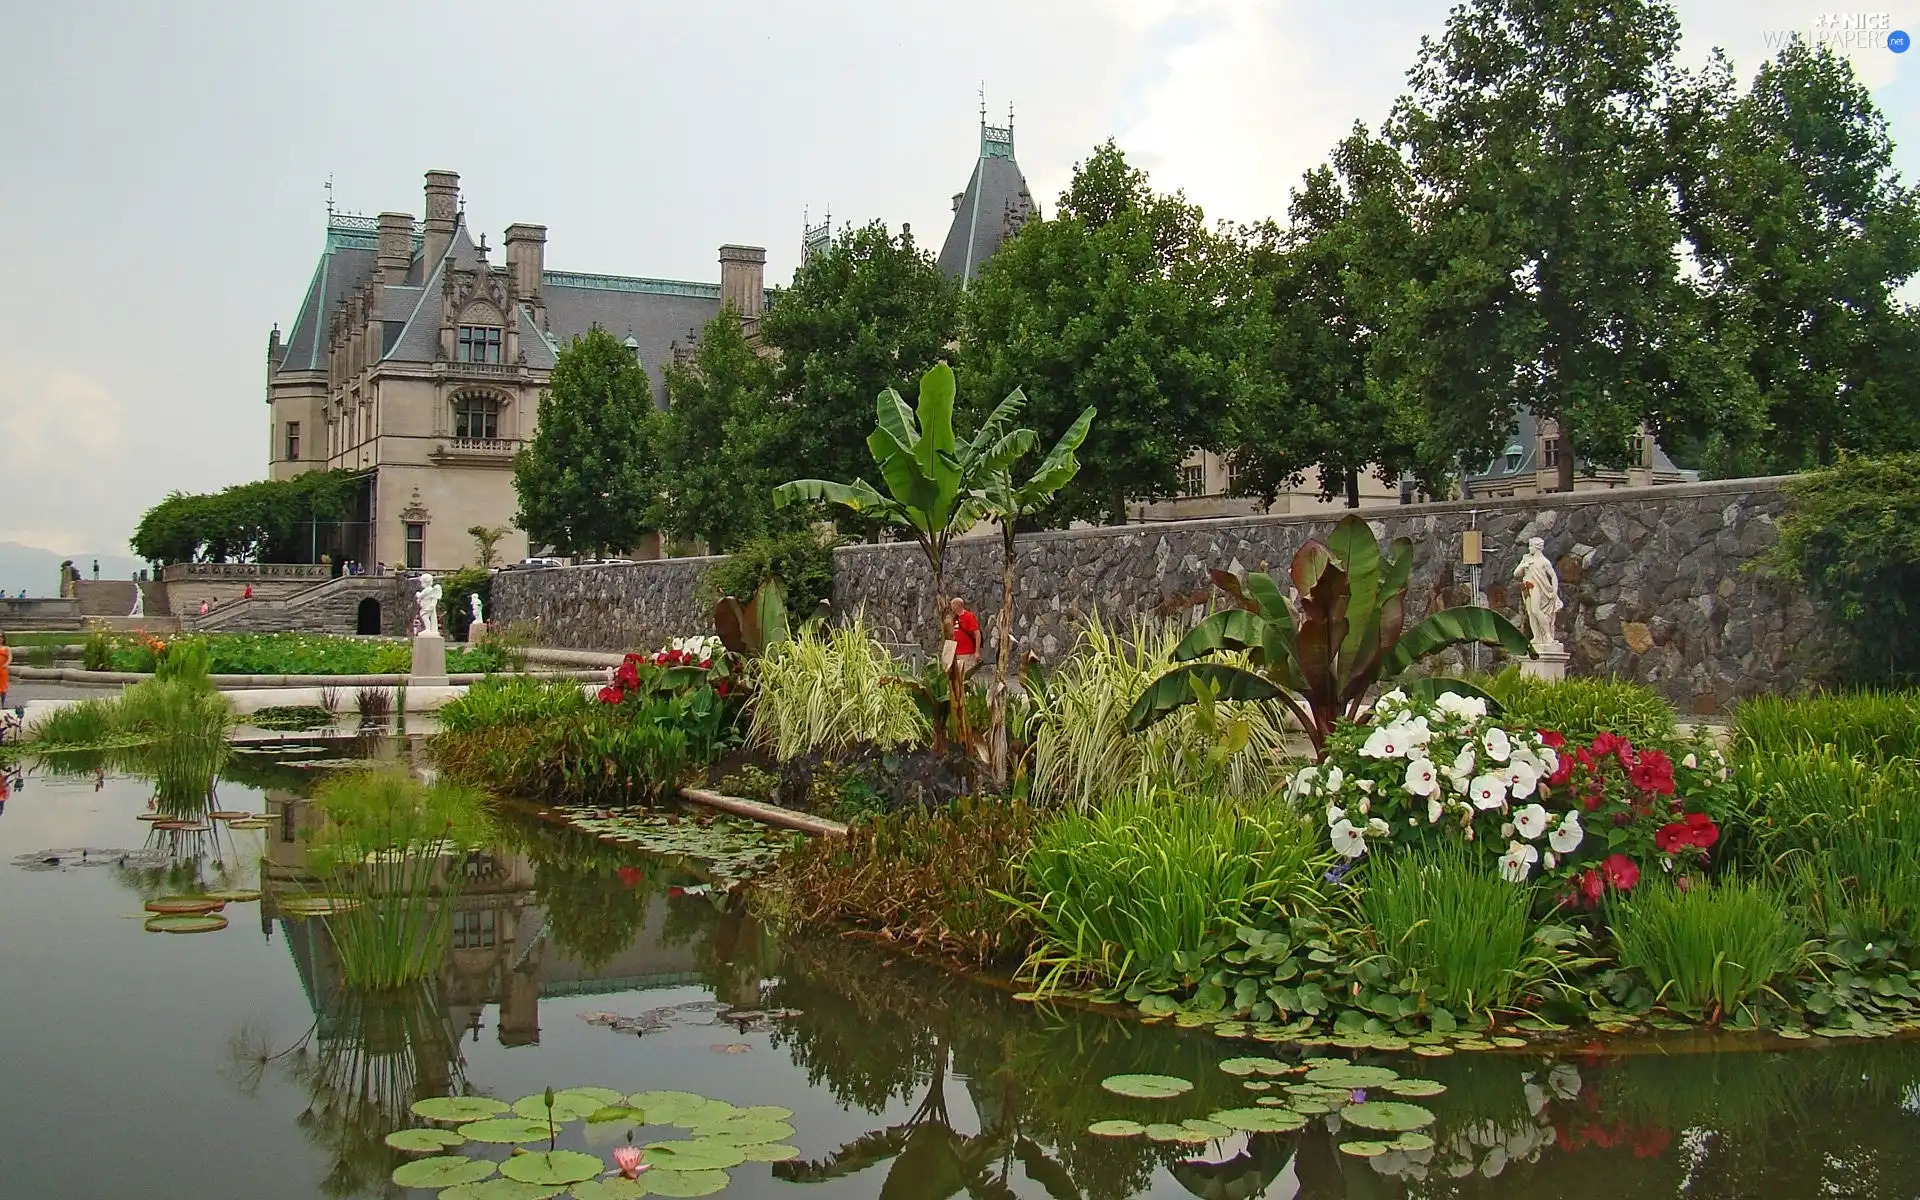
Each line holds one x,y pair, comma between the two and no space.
331,607
1653,581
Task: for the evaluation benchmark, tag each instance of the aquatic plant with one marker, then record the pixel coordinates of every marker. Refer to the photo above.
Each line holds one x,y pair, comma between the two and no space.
826,690
1083,751
1710,948
507,700
292,717
1582,708
1140,888
1455,928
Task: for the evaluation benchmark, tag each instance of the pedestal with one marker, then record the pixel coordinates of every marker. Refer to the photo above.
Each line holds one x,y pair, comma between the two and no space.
429,661
474,632
1551,663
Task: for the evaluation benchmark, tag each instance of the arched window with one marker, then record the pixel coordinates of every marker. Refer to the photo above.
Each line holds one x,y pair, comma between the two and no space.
476,417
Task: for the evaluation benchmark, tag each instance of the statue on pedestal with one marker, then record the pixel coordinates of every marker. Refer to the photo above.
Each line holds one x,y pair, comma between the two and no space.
1539,595
139,601
473,599
429,607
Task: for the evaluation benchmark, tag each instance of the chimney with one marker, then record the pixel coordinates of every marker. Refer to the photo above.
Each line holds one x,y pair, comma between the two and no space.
443,213
527,260
743,279
396,247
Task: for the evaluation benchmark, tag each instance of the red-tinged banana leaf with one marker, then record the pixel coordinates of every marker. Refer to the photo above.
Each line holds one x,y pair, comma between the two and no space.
1233,629
1175,689
1452,627
1229,583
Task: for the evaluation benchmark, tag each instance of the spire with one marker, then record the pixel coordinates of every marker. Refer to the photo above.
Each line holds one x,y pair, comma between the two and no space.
996,202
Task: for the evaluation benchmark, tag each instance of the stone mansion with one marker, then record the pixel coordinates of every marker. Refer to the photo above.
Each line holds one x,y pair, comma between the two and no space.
419,363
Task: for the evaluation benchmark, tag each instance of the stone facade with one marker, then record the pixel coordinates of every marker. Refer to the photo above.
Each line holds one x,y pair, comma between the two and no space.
336,606
1654,581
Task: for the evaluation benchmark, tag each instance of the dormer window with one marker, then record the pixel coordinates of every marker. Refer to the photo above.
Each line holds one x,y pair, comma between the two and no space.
478,343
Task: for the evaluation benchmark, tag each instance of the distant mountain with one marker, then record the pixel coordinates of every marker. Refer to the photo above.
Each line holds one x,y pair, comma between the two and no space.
38,570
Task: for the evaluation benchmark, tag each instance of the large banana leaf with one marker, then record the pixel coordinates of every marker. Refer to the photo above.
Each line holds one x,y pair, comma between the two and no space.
1352,545
1175,689
1451,627
1232,629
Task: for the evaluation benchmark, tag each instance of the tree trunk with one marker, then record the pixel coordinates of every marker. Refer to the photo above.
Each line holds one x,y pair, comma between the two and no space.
1353,488
1565,482
999,749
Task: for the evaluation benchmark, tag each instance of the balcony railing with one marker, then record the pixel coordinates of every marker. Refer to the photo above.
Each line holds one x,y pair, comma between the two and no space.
489,370
490,450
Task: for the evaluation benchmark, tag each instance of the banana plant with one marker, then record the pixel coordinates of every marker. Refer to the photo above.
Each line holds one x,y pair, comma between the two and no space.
1348,634
750,629
935,481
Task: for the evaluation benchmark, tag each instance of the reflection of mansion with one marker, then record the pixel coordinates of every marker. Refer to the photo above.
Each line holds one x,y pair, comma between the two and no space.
419,361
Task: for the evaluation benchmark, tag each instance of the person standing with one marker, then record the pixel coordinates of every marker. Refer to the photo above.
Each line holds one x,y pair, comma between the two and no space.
965,637
6,662
96,568
248,594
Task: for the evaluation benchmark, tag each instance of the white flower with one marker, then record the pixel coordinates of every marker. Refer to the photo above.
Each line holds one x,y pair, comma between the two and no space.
1487,791
1549,761
1550,860
1463,762
1303,781
1498,744
1349,841
1365,806
1365,785
1690,762
1517,863
1393,699
1378,828
1421,779
1467,708
1335,814
1418,732
1386,741
1520,779
1531,821
1434,810
1336,779
1566,836
1506,829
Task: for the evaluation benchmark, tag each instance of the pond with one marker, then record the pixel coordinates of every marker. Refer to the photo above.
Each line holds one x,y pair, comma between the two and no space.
237,1063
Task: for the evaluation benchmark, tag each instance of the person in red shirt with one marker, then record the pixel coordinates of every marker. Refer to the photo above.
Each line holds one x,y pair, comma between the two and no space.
966,637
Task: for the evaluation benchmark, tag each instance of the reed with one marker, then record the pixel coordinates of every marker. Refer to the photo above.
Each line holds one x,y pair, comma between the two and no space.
512,700
1082,752
1128,889
1711,948
1455,927
829,691
1584,708
1874,725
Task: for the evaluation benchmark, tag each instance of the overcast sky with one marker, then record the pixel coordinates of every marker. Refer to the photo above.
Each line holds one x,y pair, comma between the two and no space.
161,164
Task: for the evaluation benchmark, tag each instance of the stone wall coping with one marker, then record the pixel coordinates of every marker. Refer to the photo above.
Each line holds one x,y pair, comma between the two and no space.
247,682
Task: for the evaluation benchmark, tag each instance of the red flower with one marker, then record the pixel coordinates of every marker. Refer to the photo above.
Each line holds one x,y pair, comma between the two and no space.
721,688
706,664
1652,773
1621,871
628,676
611,695
629,876
1651,1142
1553,738
632,657
1702,830
1592,886
1608,743
1673,838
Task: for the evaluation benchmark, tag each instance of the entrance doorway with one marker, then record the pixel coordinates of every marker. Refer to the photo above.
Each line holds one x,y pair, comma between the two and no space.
369,619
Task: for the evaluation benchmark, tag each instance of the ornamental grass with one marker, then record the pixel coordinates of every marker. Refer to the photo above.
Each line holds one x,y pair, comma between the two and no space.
1711,948
827,690
1446,919
1149,887
1582,709
1874,725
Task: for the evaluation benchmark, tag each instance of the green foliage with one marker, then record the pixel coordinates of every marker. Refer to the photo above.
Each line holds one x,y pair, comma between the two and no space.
873,313
512,700
1876,726
1121,300
1712,948
933,877
291,717
96,654
750,629
1851,537
268,520
1457,929
1083,752
1805,233
184,709
721,440
281,654
456,608
486,544
826,690
1350,633
1583,708
1139,886
800,559
591,476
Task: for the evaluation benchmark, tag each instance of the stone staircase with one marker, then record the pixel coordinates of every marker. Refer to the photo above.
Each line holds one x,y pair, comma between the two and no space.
335,606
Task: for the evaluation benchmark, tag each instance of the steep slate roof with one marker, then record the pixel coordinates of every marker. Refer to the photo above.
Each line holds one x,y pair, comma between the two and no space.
657,312
995,203
343,268
420,340
1526,435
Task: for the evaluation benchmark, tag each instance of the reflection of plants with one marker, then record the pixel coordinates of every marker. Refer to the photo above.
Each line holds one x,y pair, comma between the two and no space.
379,854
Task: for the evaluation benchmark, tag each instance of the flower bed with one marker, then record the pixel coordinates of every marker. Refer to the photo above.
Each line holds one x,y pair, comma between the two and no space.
281,654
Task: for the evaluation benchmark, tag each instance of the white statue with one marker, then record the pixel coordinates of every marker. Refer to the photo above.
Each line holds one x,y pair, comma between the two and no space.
473,601
1539,595
139,601
429,607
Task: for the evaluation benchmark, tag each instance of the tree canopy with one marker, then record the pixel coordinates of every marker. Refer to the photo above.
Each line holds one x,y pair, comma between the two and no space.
590,477
719,437
268,520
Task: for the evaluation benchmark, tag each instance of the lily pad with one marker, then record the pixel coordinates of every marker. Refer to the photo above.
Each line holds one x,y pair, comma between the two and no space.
685,1183
1310,1106
249,823
442,1171
770,1152
664,1108
1257,1085
1412,1140
615,1188
502,1189
424,1141
1259,1120
185,905
235,895
603,1096
186,923
1509,1043
552,1168
1352,1075
1413,1087
1253,1066
1433,1051
505,1131
617,1112
765,1112
222,814
707,1112
1211,1129
567,1107
1166,1132
1147,1087
1270,1102
700,1155
317,906
745,1133
1364,1149
457,1108
1388,1116
1116,1129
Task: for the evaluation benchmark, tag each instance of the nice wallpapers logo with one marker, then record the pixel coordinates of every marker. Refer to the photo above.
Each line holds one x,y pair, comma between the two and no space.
1845,32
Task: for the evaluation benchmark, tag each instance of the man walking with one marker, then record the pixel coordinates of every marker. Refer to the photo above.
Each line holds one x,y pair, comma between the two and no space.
965,636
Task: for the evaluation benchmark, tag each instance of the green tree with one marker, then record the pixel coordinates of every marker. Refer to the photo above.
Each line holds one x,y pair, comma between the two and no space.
486,543
718,435
1308,393
1549,275
590,477
1119,301
1803,231
268,520
872,312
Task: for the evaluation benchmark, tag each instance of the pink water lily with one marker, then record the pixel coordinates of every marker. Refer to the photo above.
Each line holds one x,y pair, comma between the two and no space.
627,1159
